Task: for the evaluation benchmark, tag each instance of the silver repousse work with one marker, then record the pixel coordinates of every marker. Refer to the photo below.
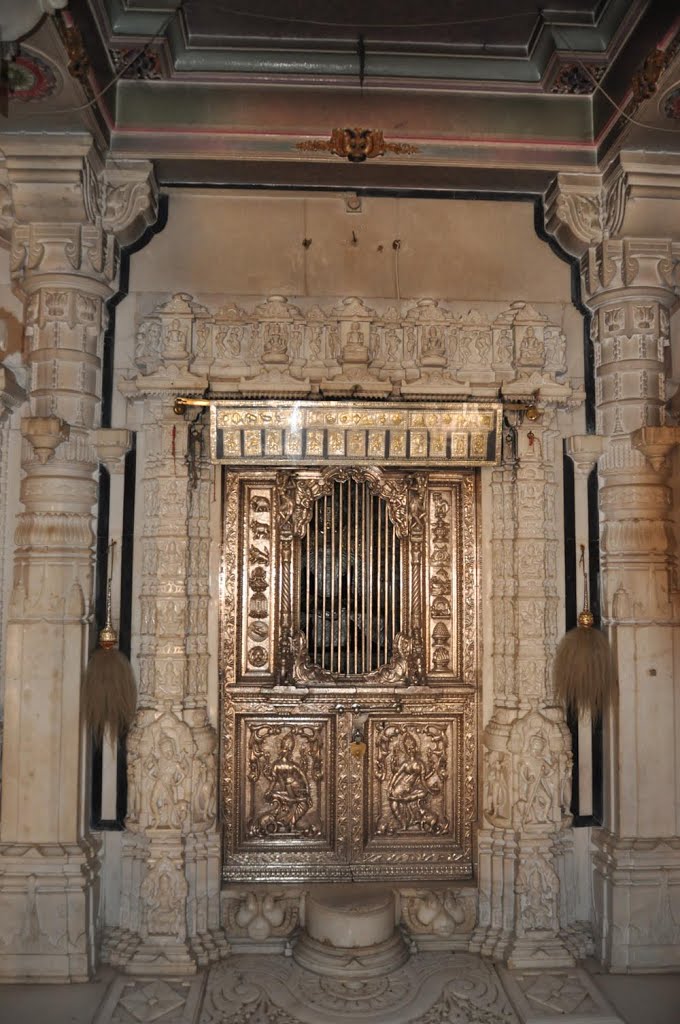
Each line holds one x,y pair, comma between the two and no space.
329,773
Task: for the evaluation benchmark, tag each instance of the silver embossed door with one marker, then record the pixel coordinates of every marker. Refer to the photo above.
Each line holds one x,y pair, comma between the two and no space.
349,674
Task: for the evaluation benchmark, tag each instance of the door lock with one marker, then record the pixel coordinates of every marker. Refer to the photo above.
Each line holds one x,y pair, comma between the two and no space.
358,743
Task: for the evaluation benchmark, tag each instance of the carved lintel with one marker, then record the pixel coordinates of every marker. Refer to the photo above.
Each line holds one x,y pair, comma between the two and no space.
584,450
656,444
112,445
45,434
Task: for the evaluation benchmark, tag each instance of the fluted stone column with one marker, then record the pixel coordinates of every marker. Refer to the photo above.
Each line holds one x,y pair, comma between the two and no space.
66,215
630,281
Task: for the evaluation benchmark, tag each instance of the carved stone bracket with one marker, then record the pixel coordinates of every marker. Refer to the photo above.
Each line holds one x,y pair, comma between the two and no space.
656,444
130,203
112,445
45,434
584,450
585,209
582,209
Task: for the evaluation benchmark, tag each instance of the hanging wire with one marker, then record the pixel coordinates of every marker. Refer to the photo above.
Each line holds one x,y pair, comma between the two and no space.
319,23
559,39
598,87
116,78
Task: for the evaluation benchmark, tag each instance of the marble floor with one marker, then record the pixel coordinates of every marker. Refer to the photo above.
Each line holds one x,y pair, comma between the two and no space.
431,988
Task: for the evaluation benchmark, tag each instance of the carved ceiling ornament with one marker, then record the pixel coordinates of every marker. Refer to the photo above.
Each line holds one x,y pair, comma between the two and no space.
65,210
645,81
356,144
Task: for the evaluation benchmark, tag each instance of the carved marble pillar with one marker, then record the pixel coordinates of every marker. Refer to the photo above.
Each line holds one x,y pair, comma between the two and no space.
171,854
527,765
496,840
65,261
637,866
620,224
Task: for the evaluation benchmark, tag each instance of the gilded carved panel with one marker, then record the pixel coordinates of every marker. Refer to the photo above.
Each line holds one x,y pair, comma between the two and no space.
287,766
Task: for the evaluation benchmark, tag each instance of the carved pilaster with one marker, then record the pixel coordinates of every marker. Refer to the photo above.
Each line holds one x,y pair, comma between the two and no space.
504,593
12,395
523,913
171,857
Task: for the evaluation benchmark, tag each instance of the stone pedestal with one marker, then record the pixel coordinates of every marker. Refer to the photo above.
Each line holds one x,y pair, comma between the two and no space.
350,931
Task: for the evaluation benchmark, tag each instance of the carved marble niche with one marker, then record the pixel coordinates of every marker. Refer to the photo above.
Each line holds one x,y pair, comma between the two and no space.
349,674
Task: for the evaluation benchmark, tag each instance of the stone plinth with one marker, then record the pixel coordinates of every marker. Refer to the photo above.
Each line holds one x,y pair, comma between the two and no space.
350,931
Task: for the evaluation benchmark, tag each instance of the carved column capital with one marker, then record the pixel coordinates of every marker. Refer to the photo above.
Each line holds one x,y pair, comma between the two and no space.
637,267
65,211
591,213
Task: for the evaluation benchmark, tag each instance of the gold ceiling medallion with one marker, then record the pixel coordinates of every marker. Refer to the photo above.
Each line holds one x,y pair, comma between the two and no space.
357,144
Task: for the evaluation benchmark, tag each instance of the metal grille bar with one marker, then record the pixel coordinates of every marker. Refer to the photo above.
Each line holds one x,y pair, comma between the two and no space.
350,580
